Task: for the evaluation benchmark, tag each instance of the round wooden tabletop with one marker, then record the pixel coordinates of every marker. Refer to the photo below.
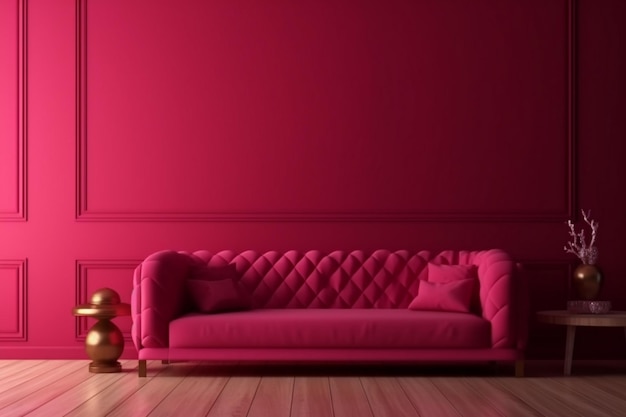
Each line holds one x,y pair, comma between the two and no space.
566,318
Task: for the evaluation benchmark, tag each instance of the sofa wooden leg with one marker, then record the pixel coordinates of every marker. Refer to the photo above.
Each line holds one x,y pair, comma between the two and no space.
519,368
143,368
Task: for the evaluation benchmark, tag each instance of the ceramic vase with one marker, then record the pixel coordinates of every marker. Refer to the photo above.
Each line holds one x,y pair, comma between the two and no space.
587,282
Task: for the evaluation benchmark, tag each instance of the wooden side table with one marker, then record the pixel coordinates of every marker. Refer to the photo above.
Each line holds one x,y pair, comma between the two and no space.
104,342
573,320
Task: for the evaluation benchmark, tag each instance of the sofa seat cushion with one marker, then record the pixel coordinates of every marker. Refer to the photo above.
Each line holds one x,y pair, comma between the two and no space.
330,328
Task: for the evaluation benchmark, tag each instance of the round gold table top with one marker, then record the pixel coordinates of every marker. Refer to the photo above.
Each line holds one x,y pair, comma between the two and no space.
566,318
102,310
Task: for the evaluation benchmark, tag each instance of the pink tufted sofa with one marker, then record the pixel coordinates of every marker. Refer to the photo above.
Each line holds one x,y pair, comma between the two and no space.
400,307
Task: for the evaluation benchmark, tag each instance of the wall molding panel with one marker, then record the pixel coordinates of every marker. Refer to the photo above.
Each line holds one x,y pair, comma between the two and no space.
13,300
219,202
92,275
17,109
571,137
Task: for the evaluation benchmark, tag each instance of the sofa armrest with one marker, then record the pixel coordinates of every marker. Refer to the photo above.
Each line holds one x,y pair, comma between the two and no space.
502,298
158,297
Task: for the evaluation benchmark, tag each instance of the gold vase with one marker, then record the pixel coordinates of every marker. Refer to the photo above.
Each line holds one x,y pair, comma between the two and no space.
587,282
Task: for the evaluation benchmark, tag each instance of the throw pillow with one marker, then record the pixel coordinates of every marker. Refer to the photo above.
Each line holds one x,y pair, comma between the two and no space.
214,296
444,296
215,289
448,273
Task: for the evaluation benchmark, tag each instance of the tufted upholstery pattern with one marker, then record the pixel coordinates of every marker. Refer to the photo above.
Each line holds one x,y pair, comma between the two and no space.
313,279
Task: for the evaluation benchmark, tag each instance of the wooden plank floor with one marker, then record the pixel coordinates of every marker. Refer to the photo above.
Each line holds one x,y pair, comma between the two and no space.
66,388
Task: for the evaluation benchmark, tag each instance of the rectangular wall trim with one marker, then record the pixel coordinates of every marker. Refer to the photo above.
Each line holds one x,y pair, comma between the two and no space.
19,136
85,211
18,297
83,290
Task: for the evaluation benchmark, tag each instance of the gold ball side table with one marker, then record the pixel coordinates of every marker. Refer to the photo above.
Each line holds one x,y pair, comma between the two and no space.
104,342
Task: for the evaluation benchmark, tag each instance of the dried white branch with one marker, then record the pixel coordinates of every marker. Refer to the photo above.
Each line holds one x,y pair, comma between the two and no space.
588,254
593,225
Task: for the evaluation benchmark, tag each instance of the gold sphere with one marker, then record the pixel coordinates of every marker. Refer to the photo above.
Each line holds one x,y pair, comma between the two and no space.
105,296
104,345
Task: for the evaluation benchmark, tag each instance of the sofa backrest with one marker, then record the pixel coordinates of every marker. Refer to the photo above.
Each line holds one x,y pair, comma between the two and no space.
340,279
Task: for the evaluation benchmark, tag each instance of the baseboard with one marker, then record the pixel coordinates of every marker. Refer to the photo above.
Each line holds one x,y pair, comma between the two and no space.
54,352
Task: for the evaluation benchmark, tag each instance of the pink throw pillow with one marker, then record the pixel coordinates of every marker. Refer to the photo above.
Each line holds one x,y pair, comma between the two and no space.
444,296
448,273
217,289
220,295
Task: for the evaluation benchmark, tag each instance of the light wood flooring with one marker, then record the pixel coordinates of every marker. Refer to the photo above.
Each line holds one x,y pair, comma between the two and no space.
66,388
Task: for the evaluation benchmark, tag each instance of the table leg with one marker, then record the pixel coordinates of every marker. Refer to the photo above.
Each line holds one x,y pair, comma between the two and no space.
569,349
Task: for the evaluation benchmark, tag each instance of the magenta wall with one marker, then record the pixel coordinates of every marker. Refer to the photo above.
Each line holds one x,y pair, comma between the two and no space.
129,127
